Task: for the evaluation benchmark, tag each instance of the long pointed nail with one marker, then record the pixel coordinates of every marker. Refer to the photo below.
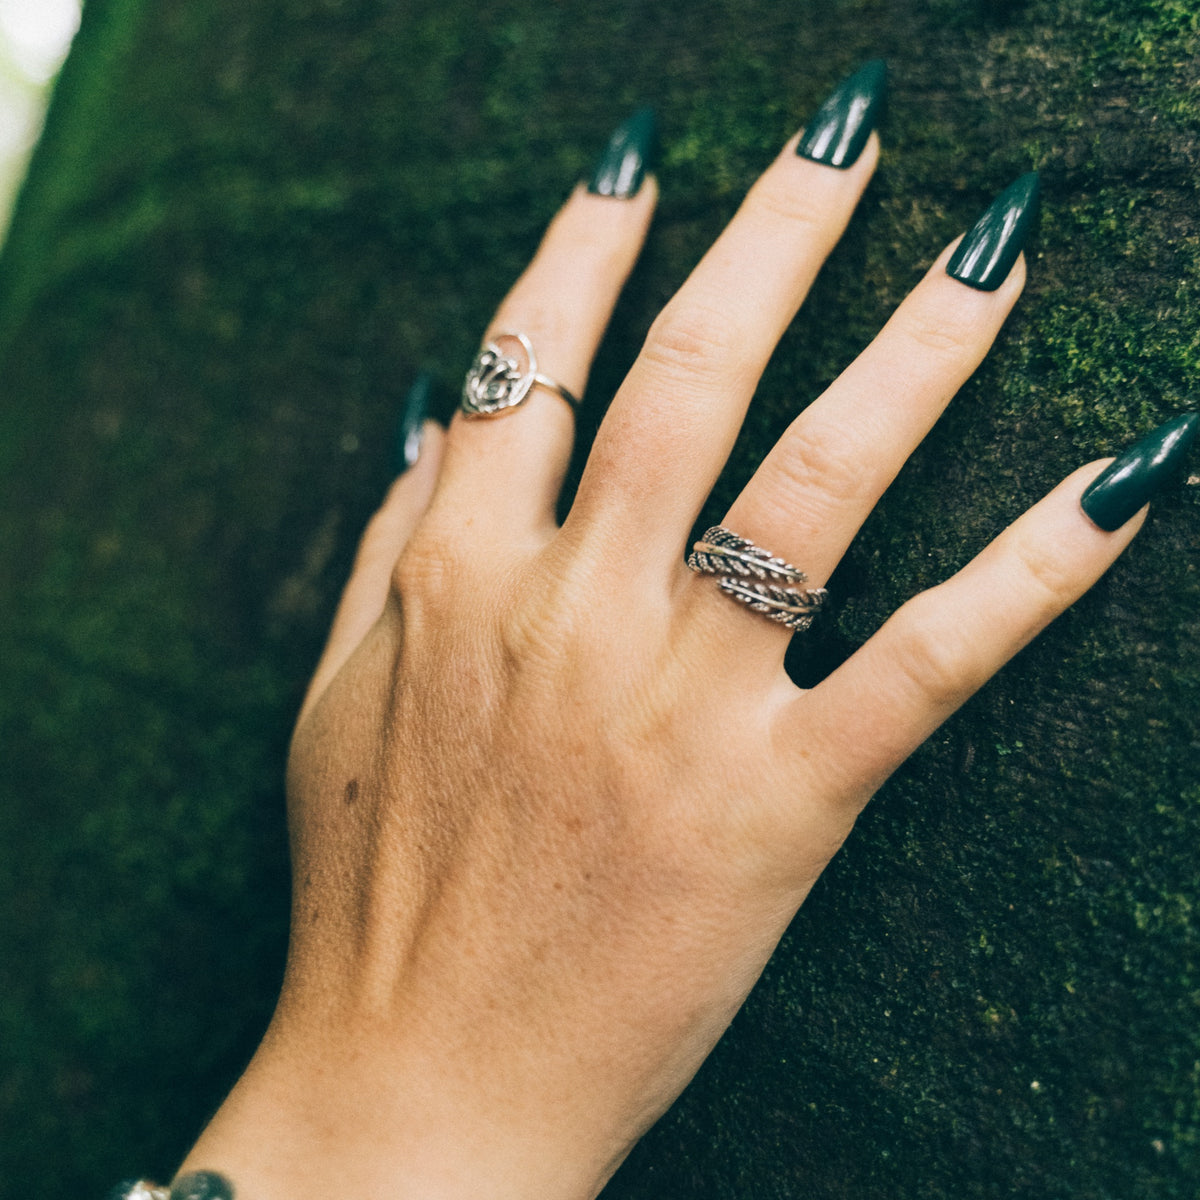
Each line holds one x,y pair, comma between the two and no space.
986,254
630,153
839,129
1125,485
410,429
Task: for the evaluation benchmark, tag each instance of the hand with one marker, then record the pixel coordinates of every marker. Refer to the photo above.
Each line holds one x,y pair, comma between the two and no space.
553,798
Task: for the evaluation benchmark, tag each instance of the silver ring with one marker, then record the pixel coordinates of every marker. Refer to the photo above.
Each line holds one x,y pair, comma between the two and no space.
497,381
756,578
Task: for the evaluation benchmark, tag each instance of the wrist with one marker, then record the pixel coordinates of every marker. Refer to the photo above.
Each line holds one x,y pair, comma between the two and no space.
364,1119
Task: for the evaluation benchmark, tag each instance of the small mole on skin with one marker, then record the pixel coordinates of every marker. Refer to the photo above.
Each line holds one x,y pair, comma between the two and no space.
351,793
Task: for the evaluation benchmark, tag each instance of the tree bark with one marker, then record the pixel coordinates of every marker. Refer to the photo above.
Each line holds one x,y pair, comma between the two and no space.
251,221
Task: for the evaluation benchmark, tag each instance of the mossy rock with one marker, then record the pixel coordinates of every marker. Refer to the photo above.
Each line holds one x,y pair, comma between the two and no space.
250,223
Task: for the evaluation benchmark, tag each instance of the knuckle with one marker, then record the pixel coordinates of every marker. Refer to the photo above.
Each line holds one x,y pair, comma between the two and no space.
931,656
1047,571
828,463
779,199
557,651
951,333
691,339
541,624
426,570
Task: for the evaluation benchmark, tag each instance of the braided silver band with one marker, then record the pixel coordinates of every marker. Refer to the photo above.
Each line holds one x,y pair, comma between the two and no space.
497,382
756,578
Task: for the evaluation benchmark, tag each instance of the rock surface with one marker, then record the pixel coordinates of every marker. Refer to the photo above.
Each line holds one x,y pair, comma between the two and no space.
251,221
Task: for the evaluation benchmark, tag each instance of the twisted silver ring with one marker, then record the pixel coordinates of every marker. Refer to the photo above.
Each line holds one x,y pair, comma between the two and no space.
756,578
497,382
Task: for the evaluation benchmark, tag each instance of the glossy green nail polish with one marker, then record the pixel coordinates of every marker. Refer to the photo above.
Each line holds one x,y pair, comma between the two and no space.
986,255
410,429
630,153
1125,485
202,1185
839,129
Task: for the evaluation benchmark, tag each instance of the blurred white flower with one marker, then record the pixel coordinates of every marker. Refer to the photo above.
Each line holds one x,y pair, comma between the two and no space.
37,34
34,38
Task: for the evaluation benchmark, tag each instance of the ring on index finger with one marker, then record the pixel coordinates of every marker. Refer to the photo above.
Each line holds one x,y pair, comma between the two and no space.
498,381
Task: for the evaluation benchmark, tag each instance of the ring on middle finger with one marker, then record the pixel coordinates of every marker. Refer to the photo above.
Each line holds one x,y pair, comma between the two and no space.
756,578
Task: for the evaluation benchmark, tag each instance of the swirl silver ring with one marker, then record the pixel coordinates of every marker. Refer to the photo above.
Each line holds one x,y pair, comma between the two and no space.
497,381
756,578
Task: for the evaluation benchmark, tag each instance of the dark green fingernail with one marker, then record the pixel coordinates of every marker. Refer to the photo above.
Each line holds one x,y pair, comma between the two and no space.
839,129
630,153
1125,485
986,255
410,429
202,1185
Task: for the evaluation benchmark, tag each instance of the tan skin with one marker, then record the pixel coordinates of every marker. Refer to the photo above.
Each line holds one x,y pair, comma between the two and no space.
551,815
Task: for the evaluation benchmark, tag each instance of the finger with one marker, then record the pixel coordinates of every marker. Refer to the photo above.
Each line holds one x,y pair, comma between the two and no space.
945,643
819,483
562,304
673,422
386,535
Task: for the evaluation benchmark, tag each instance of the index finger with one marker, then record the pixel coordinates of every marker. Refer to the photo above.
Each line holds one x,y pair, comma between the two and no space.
945,643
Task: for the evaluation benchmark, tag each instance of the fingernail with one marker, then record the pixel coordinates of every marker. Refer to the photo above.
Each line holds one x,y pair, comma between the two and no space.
202,1185
1125,485
630,153
839,129
986,254
410,429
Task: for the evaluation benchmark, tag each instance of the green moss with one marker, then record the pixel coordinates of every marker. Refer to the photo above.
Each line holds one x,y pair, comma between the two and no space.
246,227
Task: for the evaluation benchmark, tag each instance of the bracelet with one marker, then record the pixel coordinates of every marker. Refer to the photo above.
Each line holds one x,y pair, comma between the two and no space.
200,1185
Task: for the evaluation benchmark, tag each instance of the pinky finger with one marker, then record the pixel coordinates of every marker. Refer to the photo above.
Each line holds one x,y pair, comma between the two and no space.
386,535
945,643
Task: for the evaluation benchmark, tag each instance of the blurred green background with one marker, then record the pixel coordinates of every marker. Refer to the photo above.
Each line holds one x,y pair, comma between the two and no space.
249,222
